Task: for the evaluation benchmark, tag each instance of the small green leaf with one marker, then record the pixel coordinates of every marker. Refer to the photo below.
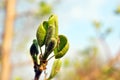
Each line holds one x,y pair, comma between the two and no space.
55,68
41,33
62,47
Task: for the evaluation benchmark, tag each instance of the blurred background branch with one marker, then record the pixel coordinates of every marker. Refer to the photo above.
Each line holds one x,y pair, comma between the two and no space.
7,39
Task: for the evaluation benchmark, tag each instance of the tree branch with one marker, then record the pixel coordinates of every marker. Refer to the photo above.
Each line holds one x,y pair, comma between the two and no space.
25,14
7,39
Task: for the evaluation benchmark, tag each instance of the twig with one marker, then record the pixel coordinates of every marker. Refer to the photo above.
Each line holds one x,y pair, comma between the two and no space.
51,57
39,68
37,72
40,51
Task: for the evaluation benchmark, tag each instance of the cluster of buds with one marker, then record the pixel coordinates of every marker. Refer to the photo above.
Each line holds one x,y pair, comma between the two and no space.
47,35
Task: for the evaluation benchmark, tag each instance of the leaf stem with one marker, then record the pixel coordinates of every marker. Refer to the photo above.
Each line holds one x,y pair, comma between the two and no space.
41,51
51,57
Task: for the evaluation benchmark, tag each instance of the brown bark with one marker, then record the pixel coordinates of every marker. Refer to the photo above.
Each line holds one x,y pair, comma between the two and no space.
7,39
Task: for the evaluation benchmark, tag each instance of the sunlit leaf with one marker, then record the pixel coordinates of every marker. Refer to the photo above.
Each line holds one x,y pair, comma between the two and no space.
62,47
53,21
52,31
41,33
55,68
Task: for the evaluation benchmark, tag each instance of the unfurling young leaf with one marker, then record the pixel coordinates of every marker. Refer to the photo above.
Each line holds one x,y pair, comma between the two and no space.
52,28
41,33
62,47
53,21
51,37
50,34
55,68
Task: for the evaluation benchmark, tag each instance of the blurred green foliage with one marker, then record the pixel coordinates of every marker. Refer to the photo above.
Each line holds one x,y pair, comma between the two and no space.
18,78
97,24
66,62
89,65
44,9
117,11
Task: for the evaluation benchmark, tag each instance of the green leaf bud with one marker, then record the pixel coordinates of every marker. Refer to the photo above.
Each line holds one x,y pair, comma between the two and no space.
41,33
34,50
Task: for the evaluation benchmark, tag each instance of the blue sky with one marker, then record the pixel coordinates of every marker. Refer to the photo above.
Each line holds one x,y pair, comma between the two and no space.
76,21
